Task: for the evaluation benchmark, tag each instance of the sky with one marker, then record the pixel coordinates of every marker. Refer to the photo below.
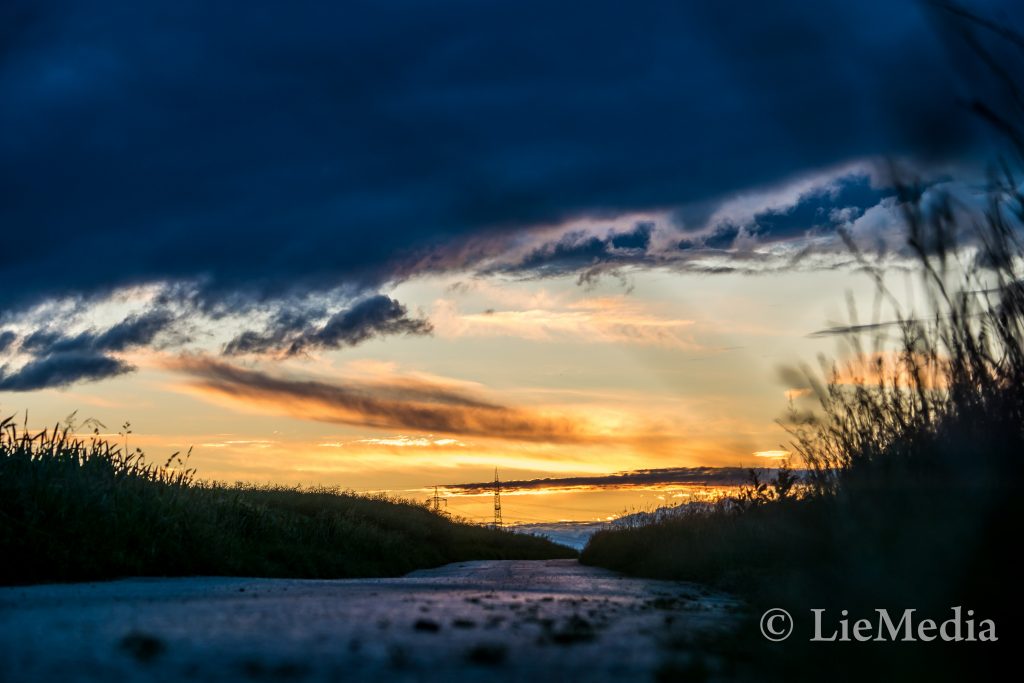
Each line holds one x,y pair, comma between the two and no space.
386,246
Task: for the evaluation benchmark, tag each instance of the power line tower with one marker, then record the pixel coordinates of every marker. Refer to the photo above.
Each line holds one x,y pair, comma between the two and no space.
436,500
497,500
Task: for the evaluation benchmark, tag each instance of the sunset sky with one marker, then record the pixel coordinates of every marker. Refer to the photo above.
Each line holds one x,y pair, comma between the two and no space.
391,245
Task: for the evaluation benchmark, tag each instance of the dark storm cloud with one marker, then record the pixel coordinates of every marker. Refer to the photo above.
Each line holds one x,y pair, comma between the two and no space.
56,359
135,330
285,325
821,210
60,370
669,476
290,334
722,237
261,148
48,355
818,211
832,203
578,251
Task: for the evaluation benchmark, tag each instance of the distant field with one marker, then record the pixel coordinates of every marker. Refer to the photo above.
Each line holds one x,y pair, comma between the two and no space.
74,509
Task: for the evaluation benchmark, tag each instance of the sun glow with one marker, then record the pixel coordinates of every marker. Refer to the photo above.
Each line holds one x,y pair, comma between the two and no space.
776,454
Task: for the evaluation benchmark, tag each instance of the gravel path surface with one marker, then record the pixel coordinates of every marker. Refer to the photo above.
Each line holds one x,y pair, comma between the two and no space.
472,621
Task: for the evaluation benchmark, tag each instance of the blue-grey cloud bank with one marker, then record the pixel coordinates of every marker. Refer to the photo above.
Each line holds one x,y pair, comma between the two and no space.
259,147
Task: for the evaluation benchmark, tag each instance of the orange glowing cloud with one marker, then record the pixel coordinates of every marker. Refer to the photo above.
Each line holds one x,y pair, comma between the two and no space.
611,320
896,369
410,404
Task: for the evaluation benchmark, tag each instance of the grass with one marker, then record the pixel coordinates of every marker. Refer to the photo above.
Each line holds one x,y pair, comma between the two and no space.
915,456
913,493
913,497
75,509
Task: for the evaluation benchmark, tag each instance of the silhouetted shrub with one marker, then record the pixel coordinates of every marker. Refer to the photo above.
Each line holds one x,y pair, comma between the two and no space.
78,509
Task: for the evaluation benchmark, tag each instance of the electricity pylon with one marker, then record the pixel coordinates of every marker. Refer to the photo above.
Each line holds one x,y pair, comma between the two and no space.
497,500
436,500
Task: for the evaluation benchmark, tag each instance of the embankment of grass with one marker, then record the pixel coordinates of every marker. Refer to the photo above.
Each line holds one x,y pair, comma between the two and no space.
923,548
913,444
74,510
912,502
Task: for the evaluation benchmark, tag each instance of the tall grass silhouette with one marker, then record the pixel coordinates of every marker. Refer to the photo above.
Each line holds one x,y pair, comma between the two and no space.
74,508
913,451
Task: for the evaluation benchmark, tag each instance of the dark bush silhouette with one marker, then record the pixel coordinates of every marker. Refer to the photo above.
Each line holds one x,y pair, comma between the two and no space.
914,456
78,509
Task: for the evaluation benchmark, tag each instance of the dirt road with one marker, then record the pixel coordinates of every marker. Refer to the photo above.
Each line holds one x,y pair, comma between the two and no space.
507,621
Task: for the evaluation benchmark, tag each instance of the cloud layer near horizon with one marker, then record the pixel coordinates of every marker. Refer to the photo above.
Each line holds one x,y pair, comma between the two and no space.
668,476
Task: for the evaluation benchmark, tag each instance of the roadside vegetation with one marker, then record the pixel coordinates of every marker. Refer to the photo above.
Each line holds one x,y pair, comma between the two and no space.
74,509
911,496
914,455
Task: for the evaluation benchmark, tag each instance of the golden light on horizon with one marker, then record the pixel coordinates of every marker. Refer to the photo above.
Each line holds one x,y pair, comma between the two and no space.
774,454
557,381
